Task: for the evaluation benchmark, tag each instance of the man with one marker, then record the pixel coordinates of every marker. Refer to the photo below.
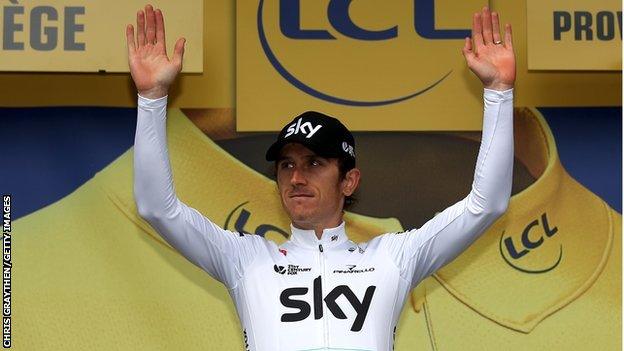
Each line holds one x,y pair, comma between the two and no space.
319,290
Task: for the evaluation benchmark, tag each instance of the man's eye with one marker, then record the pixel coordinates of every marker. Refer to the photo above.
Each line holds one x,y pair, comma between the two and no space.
315,162
285,164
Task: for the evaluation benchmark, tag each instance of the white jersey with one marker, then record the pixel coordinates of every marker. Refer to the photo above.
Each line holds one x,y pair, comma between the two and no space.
327,294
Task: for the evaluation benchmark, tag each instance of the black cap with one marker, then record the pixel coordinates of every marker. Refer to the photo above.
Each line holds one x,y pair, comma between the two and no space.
323,134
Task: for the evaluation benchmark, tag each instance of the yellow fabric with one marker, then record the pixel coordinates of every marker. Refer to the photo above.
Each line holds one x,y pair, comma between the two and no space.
480,302
90,274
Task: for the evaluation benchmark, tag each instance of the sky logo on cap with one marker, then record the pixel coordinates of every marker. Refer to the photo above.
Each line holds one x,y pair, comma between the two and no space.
305,128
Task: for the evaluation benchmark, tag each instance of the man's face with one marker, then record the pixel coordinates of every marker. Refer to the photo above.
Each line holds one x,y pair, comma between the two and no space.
309,185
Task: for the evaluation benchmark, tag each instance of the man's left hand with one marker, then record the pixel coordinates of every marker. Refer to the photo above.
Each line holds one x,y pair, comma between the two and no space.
490,57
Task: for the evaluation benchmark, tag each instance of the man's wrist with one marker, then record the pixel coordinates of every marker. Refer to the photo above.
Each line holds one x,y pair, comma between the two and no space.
499,86
155,93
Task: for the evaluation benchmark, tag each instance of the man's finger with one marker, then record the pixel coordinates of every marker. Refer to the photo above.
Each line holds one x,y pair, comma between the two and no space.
150,29
178,52
467,45
467,50
476,31
508,36
495,27
140,28
486,21
130,39
160,29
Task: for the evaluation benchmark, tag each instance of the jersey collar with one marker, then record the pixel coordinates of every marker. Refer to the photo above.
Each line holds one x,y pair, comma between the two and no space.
545,251
330,238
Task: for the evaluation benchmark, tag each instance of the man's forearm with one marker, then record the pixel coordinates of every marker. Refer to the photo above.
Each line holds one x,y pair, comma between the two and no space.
491,187
153,181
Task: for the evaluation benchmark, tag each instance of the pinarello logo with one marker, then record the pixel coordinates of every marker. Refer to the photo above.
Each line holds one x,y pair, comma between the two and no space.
366,53
283,251
351,269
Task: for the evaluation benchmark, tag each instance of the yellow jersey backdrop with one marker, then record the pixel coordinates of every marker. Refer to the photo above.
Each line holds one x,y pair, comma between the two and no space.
91,274
88,36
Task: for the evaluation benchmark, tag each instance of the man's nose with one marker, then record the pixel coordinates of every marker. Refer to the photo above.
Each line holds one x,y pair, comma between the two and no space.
297,177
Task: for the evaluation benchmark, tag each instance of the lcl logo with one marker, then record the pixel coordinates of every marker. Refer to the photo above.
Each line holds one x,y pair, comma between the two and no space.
239,223
533,236
341,22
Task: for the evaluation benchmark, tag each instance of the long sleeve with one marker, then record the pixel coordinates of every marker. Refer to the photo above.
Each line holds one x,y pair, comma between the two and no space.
222,253
420,252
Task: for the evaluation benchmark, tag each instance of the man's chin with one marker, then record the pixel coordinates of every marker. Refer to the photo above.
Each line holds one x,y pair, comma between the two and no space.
298,216
300,211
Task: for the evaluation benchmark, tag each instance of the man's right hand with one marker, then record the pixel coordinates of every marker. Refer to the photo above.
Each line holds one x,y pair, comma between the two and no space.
151,69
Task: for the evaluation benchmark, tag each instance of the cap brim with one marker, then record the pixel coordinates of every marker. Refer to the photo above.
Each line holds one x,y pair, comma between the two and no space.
273,152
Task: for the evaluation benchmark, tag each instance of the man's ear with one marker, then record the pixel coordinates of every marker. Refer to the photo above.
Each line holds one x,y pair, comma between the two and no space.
350,181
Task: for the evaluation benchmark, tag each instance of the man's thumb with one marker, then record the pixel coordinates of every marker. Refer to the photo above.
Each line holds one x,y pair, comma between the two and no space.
178,52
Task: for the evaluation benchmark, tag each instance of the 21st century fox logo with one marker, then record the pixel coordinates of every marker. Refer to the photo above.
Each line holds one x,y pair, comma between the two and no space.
380,52
291,269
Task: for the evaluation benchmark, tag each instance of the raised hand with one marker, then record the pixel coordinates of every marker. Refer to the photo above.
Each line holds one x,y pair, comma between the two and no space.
151,69
490,58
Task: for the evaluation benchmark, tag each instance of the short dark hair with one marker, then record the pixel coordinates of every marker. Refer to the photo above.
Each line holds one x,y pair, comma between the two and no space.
344,166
